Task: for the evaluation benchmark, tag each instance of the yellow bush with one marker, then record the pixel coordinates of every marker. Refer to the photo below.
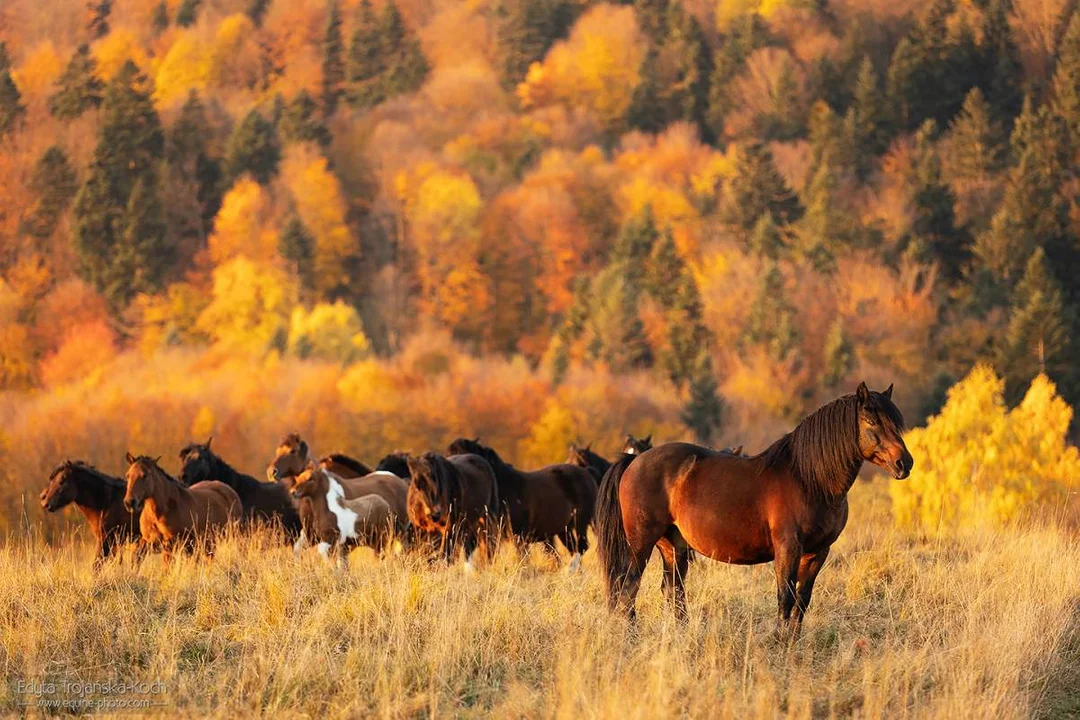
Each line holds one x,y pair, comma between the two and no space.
978,463
329,332
250,308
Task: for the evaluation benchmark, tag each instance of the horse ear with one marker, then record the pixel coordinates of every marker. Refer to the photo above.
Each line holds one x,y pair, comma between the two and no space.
888,392
303,447
130,458
863,394
209,440
157,460
648,438
588,447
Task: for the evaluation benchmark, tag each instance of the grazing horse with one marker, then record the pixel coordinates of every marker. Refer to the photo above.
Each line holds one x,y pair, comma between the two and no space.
338,523
99,497
262,501
788,504
173,515
456,498
636,446
292,457
554,501
586,458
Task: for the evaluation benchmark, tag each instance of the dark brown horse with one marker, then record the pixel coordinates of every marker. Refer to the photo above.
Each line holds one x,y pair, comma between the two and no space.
99,497
456,498
636,446
293,456
584,457
556,501
787,504
267,502
171,515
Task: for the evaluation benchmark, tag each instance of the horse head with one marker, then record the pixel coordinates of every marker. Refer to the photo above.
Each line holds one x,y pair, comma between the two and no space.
881,432
290,459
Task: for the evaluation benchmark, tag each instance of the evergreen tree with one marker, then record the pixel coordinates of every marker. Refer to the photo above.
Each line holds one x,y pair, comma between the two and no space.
975,140
407,67
685,93
704,409
687,334
934,235
526,30
634,245
160,20
98,25
999,62
187,13
256,10
866,129
617,334
757,187
664,270
822,231
333,65
772,317
646,113
1065,86
78,88
746,34
765,239
297,246
189,155
300,122
54,184
367,63
143,248
5,58
12,110
903,83
253,148
839,355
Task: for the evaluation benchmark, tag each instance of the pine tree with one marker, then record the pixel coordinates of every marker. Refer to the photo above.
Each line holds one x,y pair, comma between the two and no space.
934,234
333,65
300,122
189,155
12,110
687,334
822,232
903,83
407,67
187,13
98,25
366,61
772,317
525,32
160,20
704,409
5,58
975,140
867,130
634,245
253,148
839,355
1065,86
765,239
645,112
999,61
664,270
757,187
256,10
686,92
297,246
617,333
746,34
143,247
54,184
78,89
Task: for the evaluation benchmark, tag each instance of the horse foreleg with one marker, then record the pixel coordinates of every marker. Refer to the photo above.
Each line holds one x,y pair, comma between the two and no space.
300,544
469,544
809,567
786,564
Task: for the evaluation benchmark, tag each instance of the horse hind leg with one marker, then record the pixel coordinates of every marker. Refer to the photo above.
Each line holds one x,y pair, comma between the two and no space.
676,557
576,545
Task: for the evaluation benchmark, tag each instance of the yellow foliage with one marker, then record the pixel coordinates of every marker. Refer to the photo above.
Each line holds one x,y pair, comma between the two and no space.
39,71
185,67
115,49
204,423
250,308
235,58
978,463
551,434
328,331
320,203
596,68
172,317
242,226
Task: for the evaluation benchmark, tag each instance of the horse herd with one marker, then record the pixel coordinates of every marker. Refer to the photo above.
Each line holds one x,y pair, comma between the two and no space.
787,504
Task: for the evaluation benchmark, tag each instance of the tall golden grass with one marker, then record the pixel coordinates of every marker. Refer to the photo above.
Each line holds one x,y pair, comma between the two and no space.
980,625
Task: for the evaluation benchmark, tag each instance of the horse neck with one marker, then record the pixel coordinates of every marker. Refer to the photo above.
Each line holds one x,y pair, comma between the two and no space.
168,493
223,471
824,449
94,492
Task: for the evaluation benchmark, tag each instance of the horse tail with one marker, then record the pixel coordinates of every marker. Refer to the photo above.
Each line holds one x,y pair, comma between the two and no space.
612,545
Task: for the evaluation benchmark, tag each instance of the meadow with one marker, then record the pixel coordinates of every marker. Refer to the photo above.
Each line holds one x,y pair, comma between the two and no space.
981,624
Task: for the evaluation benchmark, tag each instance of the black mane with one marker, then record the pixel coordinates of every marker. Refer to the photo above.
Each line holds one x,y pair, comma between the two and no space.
222,471
396,463
350,462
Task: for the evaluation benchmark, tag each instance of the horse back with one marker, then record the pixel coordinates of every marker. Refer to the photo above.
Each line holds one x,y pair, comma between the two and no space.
386,485
216,503
478,486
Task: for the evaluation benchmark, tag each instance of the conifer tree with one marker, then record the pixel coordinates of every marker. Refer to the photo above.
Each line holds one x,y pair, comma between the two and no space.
1065,86
12,110
525,32
367,64
54,183
187,13
189,155
407,67
704,409
934,235
975,140
160,20
772,317
839,355
333,65
253,148
78,88
755,188
297,246
99,10
300,122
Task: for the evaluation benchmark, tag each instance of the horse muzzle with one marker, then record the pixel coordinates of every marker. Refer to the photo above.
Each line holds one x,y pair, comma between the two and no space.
902,466
132,506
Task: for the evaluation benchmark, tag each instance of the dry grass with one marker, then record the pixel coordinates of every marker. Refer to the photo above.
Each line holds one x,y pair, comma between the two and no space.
981,626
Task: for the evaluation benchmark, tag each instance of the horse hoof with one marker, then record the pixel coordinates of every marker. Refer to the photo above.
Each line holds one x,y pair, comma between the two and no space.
575,564
469,567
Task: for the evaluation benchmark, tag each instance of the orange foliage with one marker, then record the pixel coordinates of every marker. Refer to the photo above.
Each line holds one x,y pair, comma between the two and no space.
85,350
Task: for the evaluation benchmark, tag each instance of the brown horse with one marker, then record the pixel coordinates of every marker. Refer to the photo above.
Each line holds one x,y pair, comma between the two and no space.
788,504
99,497
556,501
267,502
584,457
172,515
636,446
456,498
338,523
293,456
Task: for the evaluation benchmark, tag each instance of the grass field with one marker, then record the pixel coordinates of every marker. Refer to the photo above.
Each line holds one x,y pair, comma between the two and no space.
985,625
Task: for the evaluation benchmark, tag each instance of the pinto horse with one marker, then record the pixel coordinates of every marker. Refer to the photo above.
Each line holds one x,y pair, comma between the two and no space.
556,501
262,501
584,457
388,486
293,456
171,515
455,498
340,524
99,497
787,504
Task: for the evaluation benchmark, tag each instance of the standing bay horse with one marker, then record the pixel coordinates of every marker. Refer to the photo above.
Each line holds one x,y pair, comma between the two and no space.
455,498
556,501
787,504
263,501
171,515
99,497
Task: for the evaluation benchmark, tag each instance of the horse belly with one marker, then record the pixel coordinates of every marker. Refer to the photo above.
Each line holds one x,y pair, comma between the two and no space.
730,532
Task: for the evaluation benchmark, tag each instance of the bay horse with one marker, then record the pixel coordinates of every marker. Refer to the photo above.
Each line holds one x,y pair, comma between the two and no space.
636,446
263,501
584,457
338,523
171,515
787,504
99,497
456,498
556,501
293,456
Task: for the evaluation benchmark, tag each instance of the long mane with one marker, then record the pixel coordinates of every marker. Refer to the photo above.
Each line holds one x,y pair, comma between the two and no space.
823,449
109,481
445,477
147,461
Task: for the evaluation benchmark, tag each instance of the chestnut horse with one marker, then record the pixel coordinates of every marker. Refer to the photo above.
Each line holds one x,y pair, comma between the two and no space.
636,446
263,501
172,515
556,501
340,524
99,497
787,504
293,456
456,498
584,457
